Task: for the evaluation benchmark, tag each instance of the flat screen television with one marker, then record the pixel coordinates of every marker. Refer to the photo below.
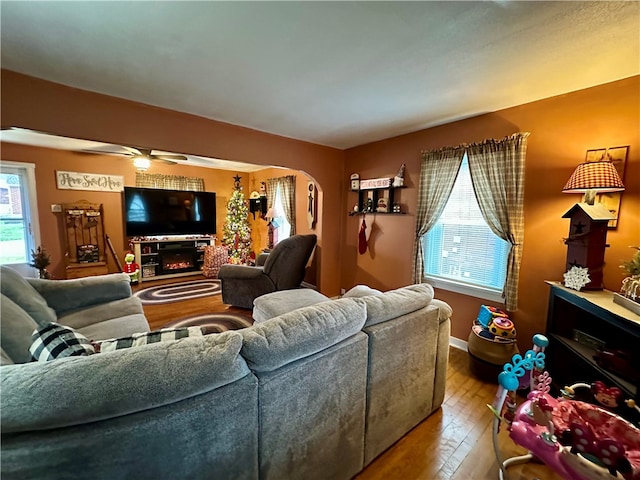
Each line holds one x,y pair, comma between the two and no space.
151,211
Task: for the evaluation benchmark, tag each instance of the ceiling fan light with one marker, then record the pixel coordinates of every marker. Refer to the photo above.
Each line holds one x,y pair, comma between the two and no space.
141,163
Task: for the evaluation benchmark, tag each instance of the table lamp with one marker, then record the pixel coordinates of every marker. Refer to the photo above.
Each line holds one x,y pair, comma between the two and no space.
592,178
587,238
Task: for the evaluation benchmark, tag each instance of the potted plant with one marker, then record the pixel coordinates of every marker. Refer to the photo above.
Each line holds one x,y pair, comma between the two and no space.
40,259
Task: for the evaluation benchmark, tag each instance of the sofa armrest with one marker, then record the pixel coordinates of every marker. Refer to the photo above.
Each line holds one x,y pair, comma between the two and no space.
115,384
241,272
262,259
444,309
68,295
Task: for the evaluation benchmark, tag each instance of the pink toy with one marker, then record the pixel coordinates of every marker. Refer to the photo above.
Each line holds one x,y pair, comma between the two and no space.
578,440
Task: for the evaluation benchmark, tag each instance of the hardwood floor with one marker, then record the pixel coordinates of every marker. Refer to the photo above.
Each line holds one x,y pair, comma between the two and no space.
453,443
160,315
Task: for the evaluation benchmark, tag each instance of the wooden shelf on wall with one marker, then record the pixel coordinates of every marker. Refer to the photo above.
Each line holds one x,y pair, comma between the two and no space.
375,194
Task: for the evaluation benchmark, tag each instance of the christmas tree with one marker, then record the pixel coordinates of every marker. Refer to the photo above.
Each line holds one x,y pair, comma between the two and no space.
237,233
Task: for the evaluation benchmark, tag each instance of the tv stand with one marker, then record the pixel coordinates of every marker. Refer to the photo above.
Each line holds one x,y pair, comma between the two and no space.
169,257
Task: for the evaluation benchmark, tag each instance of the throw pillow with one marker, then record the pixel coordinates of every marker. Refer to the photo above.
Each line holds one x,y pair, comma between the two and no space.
361,291
57,341
145,338
20,291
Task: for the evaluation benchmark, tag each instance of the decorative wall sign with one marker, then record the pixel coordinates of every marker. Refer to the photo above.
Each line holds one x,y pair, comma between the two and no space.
617,156
89,181
375,183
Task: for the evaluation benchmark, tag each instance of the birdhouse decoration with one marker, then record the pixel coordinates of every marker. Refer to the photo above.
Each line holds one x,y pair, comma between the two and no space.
587,240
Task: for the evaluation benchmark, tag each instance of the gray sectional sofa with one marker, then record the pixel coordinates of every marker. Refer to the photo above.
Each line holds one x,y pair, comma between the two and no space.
313,393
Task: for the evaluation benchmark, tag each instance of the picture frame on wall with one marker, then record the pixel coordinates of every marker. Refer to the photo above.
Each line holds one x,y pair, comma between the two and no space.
595,155
617,156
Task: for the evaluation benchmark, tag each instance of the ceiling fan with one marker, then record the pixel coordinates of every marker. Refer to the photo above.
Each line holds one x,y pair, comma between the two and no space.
142,157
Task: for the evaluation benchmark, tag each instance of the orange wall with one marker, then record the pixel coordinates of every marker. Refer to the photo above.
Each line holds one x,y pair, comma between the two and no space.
36,104
47,161
562,129
259,226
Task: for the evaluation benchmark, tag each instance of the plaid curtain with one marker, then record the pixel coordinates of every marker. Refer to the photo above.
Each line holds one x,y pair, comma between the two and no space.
272,185
288,191
169,182
497,174
438,173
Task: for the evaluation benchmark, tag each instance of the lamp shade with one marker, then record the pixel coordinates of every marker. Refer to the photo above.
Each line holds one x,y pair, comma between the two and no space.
599,176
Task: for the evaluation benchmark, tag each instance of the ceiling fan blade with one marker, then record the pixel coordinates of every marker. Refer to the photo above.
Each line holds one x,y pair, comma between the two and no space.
104,152
162,160
170,157
137,151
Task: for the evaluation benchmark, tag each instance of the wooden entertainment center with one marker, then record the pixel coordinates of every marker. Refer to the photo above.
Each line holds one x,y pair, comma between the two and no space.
168,257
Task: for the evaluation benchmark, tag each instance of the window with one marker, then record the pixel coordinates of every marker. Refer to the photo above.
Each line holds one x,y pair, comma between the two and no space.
19,233
461,252
283,227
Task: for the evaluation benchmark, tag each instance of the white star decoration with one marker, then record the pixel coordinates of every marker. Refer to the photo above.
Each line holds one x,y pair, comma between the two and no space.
576,277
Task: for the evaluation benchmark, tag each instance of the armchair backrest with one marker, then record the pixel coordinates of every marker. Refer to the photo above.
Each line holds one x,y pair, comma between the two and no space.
286,263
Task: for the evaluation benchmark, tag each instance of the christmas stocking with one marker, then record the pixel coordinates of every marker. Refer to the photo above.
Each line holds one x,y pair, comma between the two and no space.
362,238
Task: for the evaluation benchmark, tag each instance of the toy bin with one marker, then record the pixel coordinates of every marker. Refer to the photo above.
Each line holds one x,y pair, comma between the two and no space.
488,353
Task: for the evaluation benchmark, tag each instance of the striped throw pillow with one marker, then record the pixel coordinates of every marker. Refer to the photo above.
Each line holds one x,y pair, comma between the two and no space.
139,339
57,341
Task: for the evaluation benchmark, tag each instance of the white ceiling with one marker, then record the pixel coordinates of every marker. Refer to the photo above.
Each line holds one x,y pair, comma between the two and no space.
340,74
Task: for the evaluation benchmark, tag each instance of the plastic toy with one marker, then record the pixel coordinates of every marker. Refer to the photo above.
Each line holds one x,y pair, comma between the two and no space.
502,327
578,440
488,313
131,268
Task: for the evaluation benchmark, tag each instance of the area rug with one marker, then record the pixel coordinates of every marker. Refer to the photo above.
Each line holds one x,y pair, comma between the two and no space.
214,322
175,292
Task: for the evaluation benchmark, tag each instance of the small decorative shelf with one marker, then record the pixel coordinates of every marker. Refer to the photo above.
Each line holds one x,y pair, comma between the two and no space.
368,201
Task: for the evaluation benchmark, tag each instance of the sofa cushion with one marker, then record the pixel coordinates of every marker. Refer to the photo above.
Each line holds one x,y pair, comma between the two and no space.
144,338
57,341
68,295
116,384
116,327
270,344
15,330
18,289
360,291
285,301
96,314
395,303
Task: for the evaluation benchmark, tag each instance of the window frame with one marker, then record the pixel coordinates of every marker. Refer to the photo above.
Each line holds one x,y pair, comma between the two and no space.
27,171
459,286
